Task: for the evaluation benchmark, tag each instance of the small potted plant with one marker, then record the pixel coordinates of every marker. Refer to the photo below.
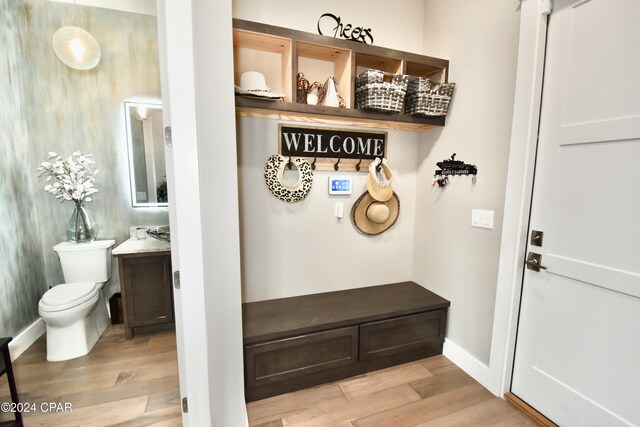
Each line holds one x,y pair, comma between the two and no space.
72,179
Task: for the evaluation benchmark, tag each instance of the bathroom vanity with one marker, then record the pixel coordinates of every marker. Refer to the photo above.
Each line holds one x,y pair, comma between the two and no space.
145,281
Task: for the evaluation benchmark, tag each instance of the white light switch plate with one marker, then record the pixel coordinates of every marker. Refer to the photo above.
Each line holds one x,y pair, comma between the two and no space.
481,218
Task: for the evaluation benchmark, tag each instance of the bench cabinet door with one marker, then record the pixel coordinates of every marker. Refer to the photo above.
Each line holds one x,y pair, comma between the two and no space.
400,334
288,358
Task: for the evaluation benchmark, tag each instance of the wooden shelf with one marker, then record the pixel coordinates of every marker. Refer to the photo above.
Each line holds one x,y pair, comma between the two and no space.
278,110
281,53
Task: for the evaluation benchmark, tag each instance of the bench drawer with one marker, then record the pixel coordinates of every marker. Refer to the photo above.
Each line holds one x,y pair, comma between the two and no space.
400,334
288,358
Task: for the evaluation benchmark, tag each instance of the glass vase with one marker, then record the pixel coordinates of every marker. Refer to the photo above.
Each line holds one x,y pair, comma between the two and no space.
80,226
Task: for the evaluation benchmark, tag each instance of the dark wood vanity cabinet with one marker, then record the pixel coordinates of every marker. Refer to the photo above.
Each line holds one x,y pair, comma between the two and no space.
299,342
147,296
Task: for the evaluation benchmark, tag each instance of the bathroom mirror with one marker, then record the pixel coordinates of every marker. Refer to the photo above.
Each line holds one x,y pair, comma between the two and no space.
147,169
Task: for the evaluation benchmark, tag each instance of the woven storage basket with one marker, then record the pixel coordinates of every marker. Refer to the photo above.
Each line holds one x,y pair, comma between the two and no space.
372,93
425,98
369,76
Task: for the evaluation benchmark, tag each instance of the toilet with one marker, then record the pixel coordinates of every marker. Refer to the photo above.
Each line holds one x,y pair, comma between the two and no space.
75,312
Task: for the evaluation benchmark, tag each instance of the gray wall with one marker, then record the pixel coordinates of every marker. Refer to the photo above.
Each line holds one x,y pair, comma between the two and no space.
21,261
55,108
480,38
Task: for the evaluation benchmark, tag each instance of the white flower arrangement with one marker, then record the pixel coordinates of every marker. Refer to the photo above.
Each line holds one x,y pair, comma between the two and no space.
72,178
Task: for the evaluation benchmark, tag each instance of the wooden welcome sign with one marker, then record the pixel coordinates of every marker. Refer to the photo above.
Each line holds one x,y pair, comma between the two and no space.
332,149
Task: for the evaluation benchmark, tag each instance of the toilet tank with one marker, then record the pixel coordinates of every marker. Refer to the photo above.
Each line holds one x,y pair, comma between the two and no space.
85,262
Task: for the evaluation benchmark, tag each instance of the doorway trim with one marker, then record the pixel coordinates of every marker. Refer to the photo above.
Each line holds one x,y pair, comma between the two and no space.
524,138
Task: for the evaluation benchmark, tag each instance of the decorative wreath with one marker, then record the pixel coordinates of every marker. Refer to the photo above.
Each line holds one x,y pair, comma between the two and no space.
274,178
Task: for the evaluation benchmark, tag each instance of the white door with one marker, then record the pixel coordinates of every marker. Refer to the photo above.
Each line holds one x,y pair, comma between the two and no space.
577,358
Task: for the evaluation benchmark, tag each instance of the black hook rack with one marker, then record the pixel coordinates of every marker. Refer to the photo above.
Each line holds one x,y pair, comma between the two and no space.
358,165
336,166
455,167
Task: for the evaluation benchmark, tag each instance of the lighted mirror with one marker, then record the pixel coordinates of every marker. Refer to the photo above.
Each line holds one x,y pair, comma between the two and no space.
147,169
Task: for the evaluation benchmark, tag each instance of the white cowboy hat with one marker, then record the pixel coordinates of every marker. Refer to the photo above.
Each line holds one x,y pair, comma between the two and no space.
253,83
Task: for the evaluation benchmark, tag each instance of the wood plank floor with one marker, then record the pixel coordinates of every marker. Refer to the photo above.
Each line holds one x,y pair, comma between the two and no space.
121,382
135,383
429,392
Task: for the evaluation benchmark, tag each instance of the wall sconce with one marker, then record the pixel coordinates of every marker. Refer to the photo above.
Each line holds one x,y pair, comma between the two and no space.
76,47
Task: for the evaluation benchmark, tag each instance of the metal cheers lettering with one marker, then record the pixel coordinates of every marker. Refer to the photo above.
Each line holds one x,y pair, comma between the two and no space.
331,143
346,31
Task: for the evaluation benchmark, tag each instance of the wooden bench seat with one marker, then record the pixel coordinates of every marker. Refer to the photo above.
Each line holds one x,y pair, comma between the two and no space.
298,342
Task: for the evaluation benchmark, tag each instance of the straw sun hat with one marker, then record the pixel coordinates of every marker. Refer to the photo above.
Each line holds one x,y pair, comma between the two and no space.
379,181
373,217
378,208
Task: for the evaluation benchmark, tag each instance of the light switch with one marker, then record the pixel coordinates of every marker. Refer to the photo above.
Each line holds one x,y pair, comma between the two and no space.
339,209
482,218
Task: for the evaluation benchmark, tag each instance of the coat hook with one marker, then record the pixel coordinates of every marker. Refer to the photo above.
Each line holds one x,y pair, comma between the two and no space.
313,165
336,166
289,163
358,165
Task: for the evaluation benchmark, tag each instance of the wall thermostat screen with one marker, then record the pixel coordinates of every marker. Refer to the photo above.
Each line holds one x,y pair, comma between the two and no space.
339,185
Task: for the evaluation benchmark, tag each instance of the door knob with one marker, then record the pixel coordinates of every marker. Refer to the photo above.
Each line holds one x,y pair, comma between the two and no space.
534,262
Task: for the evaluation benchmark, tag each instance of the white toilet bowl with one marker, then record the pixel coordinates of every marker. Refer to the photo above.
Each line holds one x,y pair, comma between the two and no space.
74,319
75,313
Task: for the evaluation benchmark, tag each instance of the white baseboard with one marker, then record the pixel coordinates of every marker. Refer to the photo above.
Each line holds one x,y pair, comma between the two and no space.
26,338
465,361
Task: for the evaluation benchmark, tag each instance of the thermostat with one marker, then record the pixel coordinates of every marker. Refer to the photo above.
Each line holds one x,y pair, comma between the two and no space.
339,185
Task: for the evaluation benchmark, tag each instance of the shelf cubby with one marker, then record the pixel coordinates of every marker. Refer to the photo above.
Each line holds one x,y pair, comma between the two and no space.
267,54
319,62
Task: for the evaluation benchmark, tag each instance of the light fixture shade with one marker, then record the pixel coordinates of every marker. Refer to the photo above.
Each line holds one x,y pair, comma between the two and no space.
76,48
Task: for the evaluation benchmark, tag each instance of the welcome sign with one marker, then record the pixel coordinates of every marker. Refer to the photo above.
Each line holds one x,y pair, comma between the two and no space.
310,142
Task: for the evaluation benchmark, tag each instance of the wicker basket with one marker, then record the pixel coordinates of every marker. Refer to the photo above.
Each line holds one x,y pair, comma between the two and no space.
369,76
373,93
426,98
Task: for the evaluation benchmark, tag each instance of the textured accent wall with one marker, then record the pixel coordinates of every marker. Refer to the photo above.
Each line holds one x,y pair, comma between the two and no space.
21,262
51,107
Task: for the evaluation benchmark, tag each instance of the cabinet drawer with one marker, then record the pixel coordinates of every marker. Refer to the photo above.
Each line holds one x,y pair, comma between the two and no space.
393,336
299,356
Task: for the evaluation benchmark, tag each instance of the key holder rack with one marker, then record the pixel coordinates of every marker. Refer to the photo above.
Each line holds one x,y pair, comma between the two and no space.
452,167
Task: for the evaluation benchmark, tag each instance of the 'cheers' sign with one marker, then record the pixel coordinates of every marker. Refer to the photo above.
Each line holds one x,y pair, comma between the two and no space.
333,23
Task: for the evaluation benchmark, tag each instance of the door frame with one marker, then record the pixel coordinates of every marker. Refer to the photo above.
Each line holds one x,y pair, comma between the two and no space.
522,157
198,44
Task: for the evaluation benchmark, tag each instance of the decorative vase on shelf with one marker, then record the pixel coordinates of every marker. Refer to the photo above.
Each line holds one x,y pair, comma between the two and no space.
80,226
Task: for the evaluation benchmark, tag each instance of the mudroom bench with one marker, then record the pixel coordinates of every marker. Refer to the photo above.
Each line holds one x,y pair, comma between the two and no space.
299,342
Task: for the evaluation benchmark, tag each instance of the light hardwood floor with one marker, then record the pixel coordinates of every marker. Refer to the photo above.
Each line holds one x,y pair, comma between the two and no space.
429,392
135,383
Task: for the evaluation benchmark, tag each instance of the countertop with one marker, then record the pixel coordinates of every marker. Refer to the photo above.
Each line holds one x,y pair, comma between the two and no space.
138,246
